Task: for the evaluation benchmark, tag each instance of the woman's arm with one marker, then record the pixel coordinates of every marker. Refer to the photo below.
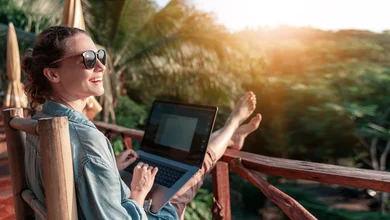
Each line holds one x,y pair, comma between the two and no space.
100,194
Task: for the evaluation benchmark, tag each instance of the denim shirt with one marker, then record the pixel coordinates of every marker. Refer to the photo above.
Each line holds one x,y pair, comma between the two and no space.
100,191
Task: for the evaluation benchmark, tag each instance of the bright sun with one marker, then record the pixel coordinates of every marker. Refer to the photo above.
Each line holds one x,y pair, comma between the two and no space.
330,14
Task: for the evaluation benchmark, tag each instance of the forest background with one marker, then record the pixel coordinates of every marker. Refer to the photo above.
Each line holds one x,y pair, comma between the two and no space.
324,95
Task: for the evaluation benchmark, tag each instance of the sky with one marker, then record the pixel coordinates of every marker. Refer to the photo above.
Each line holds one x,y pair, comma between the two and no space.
373,15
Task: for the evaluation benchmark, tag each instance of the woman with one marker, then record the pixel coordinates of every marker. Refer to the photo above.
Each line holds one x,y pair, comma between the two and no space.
65,68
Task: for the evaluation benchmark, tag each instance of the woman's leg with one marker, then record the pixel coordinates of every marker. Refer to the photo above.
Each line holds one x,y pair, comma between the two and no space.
231,134
242,110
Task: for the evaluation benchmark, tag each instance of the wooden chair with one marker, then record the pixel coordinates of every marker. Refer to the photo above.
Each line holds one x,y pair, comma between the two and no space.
57,166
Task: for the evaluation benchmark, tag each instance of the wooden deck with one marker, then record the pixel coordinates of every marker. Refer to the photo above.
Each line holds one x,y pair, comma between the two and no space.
6,202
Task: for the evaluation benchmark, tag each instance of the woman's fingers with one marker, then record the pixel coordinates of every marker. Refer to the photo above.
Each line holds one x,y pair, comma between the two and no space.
145,166
154,171
130,161
139,165
132,153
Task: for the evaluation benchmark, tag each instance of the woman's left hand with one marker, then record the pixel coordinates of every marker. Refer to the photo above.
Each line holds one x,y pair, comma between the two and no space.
125,158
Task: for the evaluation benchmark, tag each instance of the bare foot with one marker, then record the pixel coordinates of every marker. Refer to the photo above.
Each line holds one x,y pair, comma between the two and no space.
243,108
240,134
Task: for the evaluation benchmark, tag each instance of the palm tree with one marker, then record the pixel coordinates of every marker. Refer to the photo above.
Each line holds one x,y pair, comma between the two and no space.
176,51
32,15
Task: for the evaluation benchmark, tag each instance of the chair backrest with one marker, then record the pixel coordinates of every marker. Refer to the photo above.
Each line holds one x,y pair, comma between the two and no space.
56,154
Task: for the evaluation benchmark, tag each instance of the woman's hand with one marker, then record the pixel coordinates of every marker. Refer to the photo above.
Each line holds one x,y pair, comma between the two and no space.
125,158
143,179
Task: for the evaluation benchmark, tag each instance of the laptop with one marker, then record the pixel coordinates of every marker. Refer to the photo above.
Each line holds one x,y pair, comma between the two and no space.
175,140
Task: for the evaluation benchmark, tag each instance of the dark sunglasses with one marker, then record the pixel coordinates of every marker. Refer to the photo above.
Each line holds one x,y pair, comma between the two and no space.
89,58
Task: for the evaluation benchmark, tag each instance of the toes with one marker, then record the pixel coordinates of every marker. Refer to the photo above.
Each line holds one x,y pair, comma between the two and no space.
256,119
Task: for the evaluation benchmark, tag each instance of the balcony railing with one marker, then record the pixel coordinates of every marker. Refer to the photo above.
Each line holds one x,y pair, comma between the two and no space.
247,165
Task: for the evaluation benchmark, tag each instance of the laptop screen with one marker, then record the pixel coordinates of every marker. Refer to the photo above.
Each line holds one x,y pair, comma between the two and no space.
179,131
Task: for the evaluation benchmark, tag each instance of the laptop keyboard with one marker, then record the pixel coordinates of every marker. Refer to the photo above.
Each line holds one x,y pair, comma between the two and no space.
167,175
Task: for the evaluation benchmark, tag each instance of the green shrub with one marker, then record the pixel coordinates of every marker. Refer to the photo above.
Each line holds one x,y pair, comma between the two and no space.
130,114
199,207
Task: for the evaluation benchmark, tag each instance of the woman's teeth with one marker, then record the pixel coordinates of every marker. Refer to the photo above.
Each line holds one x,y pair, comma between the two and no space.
98,79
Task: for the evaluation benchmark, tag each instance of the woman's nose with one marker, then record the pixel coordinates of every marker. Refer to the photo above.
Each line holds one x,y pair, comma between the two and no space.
99,66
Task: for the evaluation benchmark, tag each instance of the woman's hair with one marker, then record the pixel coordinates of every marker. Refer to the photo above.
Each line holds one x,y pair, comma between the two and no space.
49,46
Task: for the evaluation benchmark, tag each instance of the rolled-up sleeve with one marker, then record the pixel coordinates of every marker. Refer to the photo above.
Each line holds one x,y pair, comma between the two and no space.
101,196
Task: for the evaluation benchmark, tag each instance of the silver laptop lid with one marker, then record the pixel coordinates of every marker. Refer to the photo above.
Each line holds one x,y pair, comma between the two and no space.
179,131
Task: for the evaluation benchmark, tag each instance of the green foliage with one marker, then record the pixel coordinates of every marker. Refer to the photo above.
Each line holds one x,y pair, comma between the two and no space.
130,114
170,52
117,145
321,210
199,207
31,15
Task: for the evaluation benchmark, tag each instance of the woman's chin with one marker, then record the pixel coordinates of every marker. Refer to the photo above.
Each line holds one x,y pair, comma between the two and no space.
98,92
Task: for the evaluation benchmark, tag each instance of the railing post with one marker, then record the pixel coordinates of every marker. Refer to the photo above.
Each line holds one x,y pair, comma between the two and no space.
15,149
128,142
57,167
221,192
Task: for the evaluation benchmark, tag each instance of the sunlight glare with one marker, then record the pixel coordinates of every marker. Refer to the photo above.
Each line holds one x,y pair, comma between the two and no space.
330,14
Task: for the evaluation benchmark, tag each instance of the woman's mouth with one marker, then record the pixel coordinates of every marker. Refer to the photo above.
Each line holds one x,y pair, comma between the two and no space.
96,80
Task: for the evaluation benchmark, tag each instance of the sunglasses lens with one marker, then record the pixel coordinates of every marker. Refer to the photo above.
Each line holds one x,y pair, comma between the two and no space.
101,54
89,59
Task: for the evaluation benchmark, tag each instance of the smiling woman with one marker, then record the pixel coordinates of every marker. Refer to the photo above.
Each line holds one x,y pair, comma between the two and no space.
64,69
75,79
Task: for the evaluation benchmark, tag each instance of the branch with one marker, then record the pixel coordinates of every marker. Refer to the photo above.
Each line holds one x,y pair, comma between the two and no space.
362,141
367,162
149,48
384,156
374,158
290,207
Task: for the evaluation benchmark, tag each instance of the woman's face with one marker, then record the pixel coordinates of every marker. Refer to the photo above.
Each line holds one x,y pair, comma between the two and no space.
75,81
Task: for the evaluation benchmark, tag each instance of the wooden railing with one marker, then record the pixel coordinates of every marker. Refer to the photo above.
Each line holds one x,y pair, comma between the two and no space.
247,165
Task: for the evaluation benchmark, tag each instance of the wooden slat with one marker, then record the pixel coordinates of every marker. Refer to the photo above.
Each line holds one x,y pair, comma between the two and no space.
26,125
331,174
40,209
221,192
15,150
290,207
57,168
119,130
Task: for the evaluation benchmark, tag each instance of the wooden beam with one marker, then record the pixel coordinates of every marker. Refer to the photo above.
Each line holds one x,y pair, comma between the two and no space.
119,130
27,125
15,150
290,207
221,192
57,167
324,173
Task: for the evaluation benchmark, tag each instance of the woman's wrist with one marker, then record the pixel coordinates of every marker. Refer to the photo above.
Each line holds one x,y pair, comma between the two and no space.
138,197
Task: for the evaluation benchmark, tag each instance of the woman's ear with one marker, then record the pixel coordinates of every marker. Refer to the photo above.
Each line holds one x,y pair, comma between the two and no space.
51,75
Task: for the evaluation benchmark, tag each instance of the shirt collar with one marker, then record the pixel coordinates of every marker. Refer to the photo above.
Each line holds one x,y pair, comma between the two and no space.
56,109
